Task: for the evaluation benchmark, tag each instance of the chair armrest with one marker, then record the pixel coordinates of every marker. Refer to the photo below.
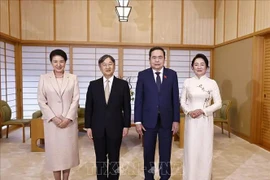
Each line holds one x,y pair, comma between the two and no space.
80,112
37,114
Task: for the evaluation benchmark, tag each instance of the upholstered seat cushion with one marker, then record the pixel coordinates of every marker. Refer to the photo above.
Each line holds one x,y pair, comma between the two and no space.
37,114
5,114
219,119
80,121
16,121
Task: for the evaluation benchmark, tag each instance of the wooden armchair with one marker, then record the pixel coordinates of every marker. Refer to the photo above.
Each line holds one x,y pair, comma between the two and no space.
6,120
224,116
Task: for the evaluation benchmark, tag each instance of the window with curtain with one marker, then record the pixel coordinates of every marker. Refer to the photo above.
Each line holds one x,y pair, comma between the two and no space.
8,80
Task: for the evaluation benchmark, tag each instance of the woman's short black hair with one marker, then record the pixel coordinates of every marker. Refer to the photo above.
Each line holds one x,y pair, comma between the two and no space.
200,56
102,59
58,52
156,48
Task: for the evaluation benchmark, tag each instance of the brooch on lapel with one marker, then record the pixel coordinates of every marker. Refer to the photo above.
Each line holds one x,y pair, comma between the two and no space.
165,77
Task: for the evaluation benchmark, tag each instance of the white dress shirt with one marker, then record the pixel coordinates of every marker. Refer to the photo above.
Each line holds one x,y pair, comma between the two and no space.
161,74
110,82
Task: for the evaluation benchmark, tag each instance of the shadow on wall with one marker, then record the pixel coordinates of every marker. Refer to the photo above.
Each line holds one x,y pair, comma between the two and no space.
240,113
244,113
226,94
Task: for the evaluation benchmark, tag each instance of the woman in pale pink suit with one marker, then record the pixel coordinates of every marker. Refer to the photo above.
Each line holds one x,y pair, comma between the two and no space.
58,98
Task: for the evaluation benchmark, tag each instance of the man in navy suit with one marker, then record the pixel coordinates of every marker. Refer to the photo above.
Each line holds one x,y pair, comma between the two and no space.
157,112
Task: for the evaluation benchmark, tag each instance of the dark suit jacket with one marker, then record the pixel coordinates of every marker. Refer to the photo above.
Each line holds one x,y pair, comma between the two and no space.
112,117
148,101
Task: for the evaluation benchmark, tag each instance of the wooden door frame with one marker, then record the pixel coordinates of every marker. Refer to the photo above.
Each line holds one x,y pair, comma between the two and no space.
257,89
267,36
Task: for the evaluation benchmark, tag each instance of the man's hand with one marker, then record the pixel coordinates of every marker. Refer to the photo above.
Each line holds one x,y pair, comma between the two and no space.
140,129
125,132
89,133
175,127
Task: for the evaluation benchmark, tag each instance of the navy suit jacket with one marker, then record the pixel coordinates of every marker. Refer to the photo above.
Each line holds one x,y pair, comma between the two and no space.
148,101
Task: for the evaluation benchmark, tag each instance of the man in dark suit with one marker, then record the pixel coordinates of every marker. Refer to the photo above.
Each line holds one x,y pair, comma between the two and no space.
157,112
107,118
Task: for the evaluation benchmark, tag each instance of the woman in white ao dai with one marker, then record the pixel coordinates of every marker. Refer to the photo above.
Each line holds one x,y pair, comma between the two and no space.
197,95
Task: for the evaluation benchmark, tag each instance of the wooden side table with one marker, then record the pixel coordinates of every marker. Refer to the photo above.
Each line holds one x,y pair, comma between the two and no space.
182,131
37,134
179,136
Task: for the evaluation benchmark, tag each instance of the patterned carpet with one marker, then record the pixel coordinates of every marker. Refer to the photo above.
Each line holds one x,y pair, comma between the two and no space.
234,159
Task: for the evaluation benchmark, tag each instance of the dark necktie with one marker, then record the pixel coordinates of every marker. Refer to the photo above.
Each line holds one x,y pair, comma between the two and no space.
158,81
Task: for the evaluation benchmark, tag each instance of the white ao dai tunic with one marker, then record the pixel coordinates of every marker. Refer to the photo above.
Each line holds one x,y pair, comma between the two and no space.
198,93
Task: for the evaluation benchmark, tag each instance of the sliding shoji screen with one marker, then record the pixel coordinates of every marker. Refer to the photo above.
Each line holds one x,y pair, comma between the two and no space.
134,60
35,61
8,82
85,66
3,71
180,61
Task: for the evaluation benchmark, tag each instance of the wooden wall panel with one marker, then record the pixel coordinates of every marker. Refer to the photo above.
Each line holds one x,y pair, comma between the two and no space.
230,20
262,14
37,20
71,20
167,21
246,17
104,25
138,28
257,89
4,17
15,18
198,22
219,22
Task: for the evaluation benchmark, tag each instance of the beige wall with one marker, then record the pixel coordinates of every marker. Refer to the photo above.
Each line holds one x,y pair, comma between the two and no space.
15,18
181,22
198,22
39,27
189,22
167,19
4,17
10,18
238,18
233,73
105,22
71,20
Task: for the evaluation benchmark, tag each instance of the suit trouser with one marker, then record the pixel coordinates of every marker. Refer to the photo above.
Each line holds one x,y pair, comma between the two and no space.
107,151
165,142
